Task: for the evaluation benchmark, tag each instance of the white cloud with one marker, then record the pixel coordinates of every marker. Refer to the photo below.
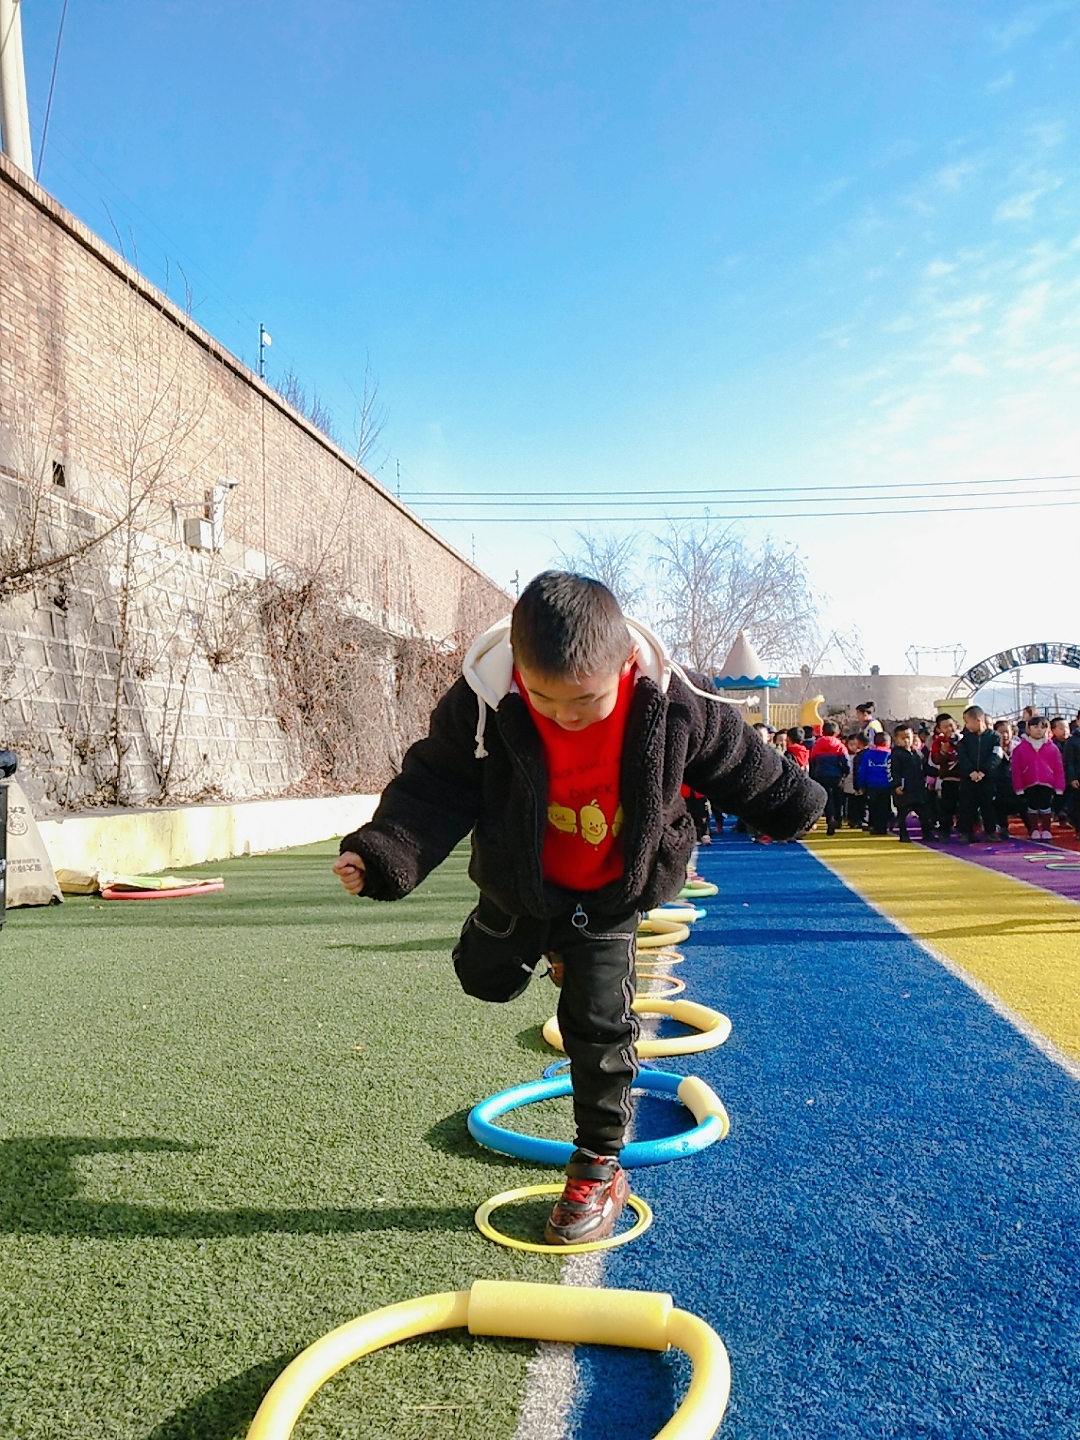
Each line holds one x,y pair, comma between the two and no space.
831,190
965,364
937,268
1019,207
1003,82
951,177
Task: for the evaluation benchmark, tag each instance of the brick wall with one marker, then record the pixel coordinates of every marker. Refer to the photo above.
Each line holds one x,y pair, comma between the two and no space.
103,374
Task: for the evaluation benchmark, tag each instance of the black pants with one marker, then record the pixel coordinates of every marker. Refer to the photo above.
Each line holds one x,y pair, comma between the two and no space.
834,801
977,799
495,959
880,802
698,808
920,808
948,803
856,810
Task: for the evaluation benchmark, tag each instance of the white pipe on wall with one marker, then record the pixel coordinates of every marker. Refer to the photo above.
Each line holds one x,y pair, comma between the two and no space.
14,114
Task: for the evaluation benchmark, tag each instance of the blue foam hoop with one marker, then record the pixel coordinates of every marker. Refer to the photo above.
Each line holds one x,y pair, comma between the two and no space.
661,1083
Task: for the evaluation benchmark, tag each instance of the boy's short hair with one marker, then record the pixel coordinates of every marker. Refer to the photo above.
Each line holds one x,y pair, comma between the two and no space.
940,719
830,727
976,710
881,737
569,625
902,730
865,708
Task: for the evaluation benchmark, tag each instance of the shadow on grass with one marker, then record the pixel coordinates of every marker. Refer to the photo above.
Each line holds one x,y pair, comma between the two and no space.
451,1136
406,947
226,1411
533,1039
39,1196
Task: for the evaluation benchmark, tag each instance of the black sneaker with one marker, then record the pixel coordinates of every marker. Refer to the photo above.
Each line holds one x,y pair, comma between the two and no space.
591,1202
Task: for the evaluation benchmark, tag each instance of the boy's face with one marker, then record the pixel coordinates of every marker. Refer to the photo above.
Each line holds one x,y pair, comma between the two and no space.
976,724
947,728
1059,730
574,704
902,739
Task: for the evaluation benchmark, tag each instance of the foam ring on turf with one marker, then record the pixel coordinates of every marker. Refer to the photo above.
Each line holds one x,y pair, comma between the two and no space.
702,1102
698,890
678,914
712,1027
654,934
527,1192
677,986
638,1319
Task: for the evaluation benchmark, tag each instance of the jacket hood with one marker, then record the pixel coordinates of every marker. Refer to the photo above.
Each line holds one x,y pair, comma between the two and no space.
488,669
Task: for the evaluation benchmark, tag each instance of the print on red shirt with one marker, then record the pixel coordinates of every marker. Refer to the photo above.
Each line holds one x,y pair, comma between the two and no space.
582,850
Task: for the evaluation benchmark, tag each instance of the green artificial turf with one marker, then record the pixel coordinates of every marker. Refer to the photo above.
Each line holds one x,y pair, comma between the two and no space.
231,1123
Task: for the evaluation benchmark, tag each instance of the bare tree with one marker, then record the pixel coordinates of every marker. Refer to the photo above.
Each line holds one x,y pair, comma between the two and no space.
613,560
291,389
712,584
369,420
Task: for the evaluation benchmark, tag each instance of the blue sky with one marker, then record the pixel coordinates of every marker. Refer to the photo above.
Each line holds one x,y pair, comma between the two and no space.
597,247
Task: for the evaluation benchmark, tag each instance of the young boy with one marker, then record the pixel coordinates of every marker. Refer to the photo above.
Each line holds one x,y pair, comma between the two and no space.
1006,801
562,748
944,774
829,764
979,756
908,783
872,778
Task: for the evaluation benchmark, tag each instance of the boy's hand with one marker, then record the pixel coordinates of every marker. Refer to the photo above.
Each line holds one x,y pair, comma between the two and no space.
977,775
350,870
899,789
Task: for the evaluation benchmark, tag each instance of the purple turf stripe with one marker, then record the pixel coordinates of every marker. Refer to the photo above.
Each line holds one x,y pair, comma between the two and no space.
1007,858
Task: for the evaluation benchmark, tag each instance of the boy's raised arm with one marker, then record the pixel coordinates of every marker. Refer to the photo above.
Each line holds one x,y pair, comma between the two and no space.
743,776
425,810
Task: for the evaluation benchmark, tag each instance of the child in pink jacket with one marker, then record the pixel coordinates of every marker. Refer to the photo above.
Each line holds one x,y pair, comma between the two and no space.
1038,775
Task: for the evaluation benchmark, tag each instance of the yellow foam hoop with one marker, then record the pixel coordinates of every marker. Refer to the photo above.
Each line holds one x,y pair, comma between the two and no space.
528,1192
576,1315
676,986
656,934
680,914
713,1028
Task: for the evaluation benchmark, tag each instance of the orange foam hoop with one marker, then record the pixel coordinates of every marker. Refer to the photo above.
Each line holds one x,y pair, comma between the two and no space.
163,894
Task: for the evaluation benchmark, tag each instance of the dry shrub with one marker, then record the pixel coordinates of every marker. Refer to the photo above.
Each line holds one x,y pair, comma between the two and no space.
353,697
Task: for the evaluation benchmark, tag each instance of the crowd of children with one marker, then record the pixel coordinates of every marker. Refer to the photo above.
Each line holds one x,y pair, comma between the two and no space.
966,779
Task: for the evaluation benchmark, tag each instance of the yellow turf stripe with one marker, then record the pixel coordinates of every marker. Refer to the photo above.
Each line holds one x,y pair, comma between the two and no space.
1020,942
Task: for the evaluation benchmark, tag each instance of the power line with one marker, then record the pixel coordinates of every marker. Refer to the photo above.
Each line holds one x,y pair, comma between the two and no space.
52,87
874,487
786,515
673,503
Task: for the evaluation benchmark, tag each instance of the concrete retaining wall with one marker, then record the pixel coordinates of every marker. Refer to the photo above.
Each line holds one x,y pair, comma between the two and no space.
144,842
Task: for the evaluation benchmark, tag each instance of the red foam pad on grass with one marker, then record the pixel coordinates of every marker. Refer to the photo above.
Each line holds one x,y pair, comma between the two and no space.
163,894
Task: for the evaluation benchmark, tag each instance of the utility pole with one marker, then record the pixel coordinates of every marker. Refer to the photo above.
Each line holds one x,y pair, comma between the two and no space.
264,339
14,115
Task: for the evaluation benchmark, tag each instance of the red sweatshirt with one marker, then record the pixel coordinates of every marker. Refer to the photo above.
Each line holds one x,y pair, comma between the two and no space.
582,850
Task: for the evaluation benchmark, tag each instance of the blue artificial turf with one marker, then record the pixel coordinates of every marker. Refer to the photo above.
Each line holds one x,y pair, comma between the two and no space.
887,1241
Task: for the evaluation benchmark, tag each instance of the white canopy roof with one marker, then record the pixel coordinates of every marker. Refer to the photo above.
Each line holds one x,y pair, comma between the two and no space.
742,663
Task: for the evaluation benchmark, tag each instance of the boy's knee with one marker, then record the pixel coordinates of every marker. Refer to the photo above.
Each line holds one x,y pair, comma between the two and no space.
487,982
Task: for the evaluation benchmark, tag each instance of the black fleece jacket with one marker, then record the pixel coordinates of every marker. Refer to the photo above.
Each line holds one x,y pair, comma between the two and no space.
907,774
979,750
443,792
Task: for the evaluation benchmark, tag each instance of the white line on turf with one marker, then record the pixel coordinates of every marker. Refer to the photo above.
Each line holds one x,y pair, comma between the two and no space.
551,1381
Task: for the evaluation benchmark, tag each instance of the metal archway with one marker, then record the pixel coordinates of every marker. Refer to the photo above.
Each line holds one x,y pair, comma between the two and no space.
1044,652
